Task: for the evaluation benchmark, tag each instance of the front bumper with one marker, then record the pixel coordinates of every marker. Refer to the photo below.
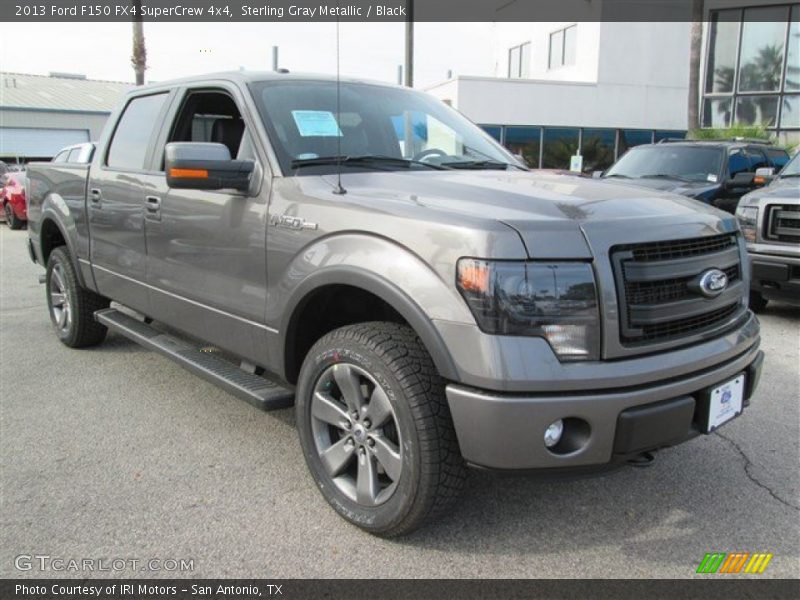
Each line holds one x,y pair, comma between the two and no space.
505,431
776,277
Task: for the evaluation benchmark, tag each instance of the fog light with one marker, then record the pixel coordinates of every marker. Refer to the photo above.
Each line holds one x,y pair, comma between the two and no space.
553,433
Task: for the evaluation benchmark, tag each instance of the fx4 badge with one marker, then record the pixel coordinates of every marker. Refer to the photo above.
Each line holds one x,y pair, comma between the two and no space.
289,222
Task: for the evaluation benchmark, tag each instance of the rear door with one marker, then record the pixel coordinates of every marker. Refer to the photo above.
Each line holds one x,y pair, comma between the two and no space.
116,198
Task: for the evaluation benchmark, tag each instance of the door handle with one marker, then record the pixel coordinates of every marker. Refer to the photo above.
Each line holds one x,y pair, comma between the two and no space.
153,203
152,206
95,195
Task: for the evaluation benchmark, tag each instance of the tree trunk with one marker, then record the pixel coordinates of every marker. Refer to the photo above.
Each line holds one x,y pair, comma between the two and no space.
695,50
139,56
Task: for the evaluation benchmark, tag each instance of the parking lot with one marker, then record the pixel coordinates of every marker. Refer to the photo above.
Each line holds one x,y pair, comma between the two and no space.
117,452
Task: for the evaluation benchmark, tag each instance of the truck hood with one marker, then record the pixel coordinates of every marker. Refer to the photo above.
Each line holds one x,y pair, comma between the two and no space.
781,189
693,189
554,214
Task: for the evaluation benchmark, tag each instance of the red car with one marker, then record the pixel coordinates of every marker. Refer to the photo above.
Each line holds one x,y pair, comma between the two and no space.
12,195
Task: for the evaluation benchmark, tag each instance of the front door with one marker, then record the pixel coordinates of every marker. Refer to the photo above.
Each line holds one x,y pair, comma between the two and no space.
206,256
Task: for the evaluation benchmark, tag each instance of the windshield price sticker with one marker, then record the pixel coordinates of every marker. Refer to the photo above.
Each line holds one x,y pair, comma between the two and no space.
316,123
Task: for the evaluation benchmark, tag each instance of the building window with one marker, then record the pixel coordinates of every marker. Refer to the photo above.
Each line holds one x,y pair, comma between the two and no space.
752,62
496,131
563,47
628,138
525,142
560,144
519,61
597,149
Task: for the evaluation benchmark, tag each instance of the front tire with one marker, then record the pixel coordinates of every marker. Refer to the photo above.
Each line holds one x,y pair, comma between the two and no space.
71,306
376,429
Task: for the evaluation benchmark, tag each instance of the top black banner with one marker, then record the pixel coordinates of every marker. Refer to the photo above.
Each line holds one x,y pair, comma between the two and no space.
296,11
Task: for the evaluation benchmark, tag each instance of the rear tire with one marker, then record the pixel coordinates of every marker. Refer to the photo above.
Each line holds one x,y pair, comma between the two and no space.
757,302
386,368
13,221
71,306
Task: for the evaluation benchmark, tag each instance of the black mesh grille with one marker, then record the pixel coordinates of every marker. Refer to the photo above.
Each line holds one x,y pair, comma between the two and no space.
692,325
652,308
666,290
680,248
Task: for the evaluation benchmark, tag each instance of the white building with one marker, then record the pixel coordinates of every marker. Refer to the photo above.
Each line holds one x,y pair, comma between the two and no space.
41,114
603,87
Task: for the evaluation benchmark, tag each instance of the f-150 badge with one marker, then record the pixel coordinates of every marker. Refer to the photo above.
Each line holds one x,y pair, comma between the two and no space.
289,222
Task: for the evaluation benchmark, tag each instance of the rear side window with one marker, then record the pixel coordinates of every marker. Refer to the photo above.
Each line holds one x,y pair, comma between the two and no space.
61,156
73,155
777,158
132,135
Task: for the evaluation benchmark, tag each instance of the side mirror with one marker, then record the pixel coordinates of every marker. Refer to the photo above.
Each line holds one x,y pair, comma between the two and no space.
764,175
205,166
740,180
597,174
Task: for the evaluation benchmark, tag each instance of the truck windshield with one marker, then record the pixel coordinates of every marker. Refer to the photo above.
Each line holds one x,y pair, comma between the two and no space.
792,169
690,163
375,128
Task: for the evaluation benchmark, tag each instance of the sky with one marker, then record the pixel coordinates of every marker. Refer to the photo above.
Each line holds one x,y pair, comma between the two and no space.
370,50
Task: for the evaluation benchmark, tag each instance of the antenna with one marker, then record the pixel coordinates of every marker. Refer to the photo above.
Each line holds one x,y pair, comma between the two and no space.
338,189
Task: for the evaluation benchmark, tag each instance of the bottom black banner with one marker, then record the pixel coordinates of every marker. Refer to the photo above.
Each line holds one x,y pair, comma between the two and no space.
390,589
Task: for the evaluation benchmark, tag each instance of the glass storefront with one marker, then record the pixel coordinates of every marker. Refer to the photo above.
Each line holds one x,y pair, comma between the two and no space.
552,147
753,67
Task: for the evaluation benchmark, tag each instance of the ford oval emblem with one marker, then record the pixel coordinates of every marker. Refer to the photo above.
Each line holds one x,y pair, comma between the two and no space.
713,282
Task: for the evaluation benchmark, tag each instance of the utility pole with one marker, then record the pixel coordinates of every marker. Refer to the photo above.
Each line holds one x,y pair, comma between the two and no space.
410,44
139,54
274,58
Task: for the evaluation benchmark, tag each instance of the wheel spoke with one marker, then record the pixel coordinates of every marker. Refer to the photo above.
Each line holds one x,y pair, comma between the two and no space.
388,456
61,316
328,410
350,386
59,281
367,483
379,409
56,298
336,458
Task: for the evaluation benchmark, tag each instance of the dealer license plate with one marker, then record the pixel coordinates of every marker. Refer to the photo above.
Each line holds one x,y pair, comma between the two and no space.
725,402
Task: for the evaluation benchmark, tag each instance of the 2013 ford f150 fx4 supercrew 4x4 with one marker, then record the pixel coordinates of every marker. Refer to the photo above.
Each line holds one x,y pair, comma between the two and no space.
427,303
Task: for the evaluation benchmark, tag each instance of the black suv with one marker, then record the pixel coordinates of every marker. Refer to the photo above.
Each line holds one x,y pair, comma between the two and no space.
717,172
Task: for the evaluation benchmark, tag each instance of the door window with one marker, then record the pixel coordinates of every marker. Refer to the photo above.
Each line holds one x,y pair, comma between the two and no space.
129,145
210,116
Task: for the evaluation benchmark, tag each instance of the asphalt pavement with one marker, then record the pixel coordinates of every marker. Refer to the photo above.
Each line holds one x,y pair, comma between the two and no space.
117,453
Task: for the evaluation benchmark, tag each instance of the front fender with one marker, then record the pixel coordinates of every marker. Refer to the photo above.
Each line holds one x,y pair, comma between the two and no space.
383,268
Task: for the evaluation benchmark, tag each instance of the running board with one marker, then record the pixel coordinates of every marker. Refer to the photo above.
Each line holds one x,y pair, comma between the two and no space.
258,391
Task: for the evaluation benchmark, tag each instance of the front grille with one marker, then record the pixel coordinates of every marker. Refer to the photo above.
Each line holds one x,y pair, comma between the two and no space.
783,223
658,288
680,248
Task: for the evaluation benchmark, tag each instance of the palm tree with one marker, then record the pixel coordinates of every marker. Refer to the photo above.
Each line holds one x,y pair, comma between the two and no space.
695,50
139,56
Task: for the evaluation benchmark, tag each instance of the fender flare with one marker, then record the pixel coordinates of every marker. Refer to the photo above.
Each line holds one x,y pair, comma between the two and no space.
382,288
48,214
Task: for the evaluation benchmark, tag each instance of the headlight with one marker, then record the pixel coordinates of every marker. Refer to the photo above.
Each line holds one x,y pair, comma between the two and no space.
748,219
556,301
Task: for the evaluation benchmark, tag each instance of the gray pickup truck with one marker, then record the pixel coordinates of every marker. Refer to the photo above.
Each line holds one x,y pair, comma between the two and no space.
770,222
364,252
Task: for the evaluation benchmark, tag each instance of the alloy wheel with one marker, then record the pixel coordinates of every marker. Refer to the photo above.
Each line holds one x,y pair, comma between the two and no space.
356,434
59,299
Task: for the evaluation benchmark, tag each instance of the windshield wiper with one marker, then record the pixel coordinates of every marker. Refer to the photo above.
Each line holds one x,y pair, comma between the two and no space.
361,160
789,175
620,175
664,176
476,164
